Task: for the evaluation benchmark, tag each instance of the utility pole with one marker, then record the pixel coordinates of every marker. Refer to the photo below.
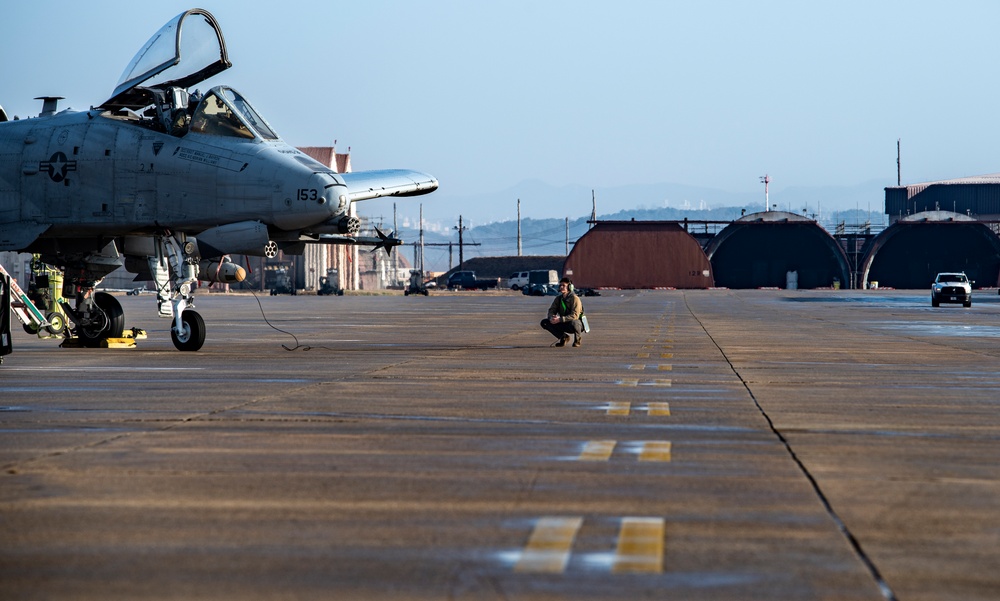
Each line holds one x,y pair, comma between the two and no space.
395,257
421,267
567,236
767,180
461,255
519,227
899,168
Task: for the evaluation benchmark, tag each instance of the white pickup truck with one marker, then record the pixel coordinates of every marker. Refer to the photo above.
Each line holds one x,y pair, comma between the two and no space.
951,288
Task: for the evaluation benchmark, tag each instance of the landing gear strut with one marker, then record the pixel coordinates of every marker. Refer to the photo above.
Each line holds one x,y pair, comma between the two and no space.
177,289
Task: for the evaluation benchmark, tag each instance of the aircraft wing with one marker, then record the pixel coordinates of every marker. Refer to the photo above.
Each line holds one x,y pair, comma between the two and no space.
365,185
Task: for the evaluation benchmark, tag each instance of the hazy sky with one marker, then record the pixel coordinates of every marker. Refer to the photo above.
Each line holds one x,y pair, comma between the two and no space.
487,94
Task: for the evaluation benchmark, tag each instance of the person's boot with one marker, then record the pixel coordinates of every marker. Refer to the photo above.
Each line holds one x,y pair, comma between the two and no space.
561,342
578,340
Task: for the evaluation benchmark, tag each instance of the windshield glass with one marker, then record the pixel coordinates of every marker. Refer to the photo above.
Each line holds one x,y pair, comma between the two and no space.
214,117
250,115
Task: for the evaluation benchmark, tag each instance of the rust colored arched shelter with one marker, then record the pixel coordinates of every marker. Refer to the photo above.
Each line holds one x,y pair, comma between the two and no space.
638,254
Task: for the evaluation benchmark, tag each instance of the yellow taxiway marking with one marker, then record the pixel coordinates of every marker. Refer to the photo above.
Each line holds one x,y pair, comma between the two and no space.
619,408
597,450
655,450
666,355
549,546
658,408
665,367
628,382
640,546
638,366
642,355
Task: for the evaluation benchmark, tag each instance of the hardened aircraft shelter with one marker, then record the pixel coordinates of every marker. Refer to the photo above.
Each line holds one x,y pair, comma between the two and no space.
911,251
773,249
777,249
756,251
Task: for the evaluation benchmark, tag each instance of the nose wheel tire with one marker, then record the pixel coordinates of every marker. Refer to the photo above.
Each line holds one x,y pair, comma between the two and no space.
192,334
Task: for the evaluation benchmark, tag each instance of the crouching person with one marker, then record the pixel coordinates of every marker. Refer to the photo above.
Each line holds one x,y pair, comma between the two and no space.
564,316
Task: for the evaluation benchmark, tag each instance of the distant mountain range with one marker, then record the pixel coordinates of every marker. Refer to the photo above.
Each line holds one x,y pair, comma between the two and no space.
491,235
543,201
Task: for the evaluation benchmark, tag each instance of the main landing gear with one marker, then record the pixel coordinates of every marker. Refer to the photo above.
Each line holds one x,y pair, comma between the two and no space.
99,320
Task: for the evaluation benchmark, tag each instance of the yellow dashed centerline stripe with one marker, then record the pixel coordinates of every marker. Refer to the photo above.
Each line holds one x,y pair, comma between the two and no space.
666,355
655,450
640,546
665,367
549,546
642,356
638,366
597,450
619,408
659,408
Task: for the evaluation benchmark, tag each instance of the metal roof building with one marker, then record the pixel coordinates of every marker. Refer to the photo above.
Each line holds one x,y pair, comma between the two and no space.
977,196
638,254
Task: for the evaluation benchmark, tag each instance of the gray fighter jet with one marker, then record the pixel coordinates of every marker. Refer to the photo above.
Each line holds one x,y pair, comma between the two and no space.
170,182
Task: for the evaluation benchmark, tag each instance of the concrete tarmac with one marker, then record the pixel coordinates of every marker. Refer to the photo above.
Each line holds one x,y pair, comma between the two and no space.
699,445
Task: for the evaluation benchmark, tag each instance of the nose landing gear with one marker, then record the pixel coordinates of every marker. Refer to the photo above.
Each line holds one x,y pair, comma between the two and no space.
191,334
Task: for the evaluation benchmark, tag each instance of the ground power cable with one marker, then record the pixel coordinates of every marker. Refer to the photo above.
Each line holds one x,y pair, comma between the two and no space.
298,346
883,586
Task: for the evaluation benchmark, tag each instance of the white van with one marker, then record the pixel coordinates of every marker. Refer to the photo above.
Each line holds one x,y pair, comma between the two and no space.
518,280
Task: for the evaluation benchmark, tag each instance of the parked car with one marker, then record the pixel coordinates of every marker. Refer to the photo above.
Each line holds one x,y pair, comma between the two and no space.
951,288
467,280
542,282
518,280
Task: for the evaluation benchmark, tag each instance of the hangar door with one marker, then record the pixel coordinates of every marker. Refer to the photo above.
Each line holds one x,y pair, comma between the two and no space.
909,255
758,252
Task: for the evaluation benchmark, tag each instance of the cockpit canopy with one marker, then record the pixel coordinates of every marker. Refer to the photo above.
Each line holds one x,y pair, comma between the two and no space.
186,51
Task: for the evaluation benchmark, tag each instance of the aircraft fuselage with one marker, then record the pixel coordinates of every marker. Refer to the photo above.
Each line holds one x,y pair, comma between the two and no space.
80,171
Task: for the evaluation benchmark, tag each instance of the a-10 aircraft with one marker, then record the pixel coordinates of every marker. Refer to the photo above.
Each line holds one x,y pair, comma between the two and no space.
170,182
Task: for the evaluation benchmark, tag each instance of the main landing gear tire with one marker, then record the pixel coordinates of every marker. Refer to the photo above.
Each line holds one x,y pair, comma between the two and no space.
193,335
109,325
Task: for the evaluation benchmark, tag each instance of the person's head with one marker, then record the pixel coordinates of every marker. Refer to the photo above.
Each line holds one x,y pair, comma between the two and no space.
565,286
